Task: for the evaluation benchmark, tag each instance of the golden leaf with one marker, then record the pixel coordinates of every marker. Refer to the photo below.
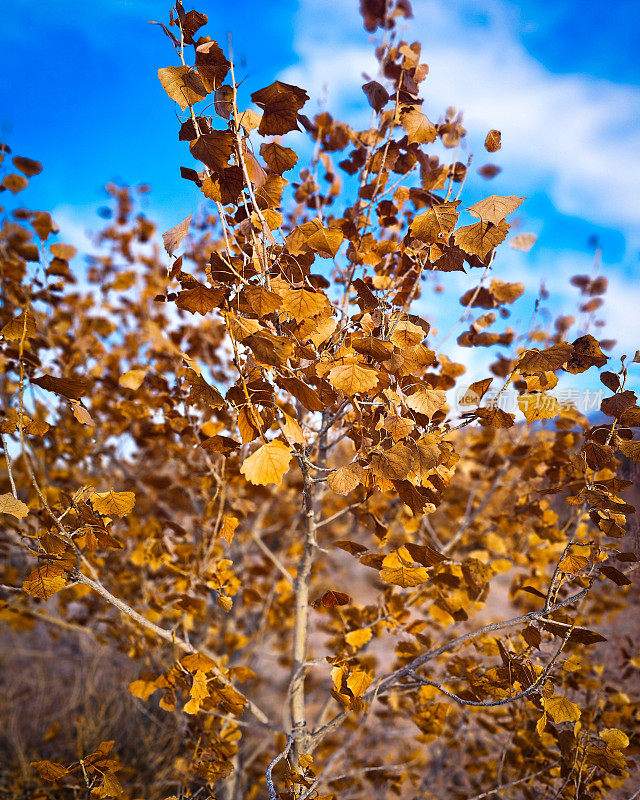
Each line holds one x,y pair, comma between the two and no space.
345,479
132,379
326,242
249,120
353,378
117,503
427,401
111,786
228,527
268,464
538,406
11,505
406,334
561,709
199,690
495,208
398,427
572,564
261,301
183,85
359,681
292,430
358,638
481,237
505,292
398,568
419,129
614,738
50,770
494,417
45,581
142,689
435,223
541,724
22,325
302,304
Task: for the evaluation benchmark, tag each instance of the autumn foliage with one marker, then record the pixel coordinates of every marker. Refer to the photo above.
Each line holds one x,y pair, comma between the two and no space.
240,461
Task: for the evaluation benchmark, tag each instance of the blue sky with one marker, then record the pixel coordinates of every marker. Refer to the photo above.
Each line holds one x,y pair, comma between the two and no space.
560,80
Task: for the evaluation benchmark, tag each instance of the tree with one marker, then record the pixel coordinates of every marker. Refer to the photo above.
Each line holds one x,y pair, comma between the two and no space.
248,469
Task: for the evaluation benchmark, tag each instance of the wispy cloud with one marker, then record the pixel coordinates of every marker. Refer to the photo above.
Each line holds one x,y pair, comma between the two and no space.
572,137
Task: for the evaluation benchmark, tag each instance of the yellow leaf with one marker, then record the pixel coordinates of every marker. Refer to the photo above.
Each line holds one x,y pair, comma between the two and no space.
481,237
435,223
142,689
11,505
541,724
495,208
359,681
614,738
418,127
225,603
427,401
337,676
572,564
268,464
111,785
50,770
406,334
538,406
398,568
573,663
561,709
116,503
199,690
132,379
22,325
345,479
292,430
302,304
249,120
353,378
228,527
326,242
45,581
191,707
359,637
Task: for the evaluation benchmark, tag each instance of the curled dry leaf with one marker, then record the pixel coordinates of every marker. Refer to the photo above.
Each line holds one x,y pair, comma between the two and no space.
493,141
174,236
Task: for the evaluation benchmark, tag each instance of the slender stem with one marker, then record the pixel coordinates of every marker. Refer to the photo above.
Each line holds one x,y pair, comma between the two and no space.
301,736
14,491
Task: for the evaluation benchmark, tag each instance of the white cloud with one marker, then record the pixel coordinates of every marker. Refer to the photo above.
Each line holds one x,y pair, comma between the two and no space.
572,136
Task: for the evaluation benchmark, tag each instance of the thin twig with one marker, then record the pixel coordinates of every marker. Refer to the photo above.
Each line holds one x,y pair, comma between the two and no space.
272,789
